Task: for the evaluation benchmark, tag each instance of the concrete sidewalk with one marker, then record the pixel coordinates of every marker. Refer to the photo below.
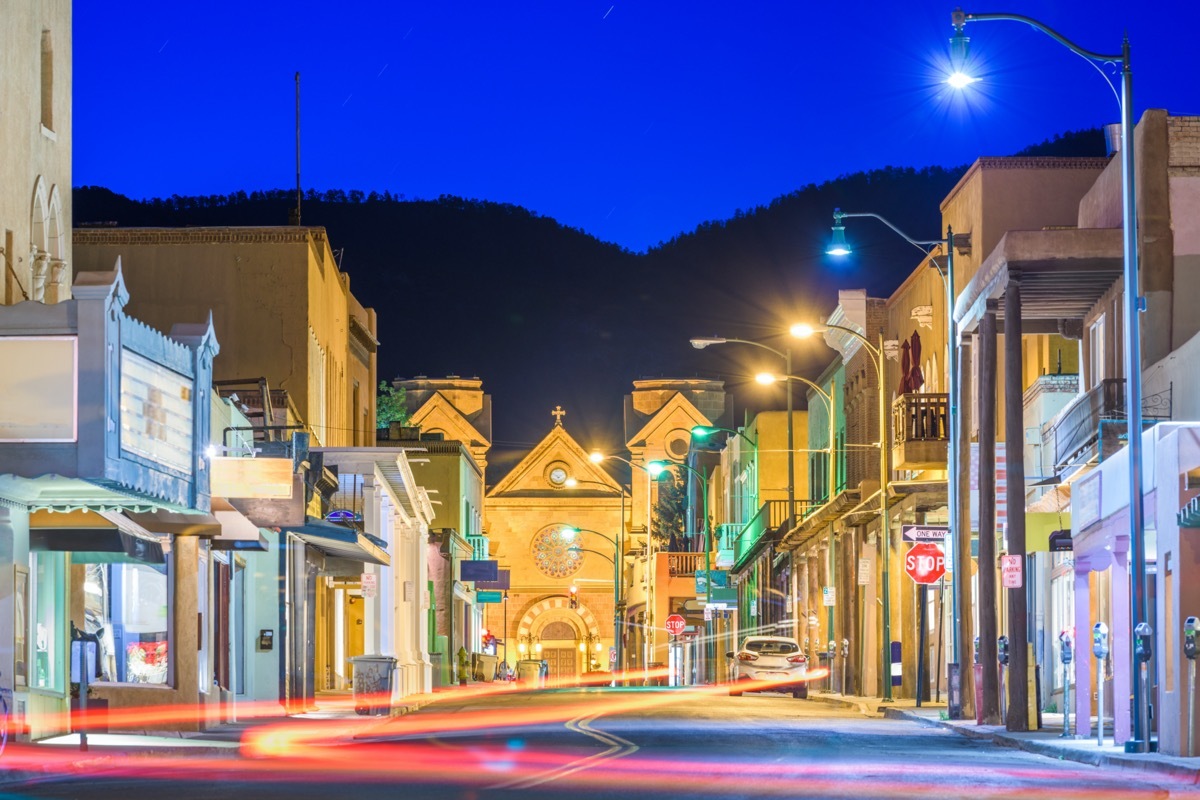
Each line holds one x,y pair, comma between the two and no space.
1048,741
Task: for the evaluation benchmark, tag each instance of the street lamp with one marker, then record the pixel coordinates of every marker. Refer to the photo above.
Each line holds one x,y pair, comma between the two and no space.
657,468
619,562
767,378
839,247
704,431
1139,601
702,342
802,331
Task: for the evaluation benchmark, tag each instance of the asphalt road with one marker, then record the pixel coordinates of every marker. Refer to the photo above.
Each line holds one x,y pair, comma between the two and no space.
601,744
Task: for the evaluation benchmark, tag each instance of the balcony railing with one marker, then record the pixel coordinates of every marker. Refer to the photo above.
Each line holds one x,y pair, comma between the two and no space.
920,431
683,564
1077,428
771,517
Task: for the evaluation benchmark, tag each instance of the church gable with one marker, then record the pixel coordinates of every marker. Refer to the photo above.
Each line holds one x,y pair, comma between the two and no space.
670,426
438,415
548,466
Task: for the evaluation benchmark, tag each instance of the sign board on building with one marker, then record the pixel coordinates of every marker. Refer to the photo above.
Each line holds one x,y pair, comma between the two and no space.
924,533
370,584
864,571
829,595
612,655
1060,542
503,582
712,579
1011,572
38,388
156,412
489,597
1085,500
479,570
263,478
675,624
925,563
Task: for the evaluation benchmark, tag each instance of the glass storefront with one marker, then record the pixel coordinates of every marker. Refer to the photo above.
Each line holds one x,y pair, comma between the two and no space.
126,604
49,621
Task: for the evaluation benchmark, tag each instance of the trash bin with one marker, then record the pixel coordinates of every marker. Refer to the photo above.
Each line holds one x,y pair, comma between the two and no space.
529,670
373,684
485,667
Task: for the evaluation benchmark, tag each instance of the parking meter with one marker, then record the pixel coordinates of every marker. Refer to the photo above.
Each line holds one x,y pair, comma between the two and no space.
1189,637
976,649
1002,649
1066,646
807,643
845,648
1100,650
1100,640
1142,646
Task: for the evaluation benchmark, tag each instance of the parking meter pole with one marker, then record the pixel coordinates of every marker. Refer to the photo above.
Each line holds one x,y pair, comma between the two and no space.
1066,654
921,681
1100,651
845,660
1189,650
1002,657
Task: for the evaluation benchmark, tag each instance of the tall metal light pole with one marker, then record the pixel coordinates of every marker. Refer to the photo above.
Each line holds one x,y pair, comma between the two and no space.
702,342
1138,598
616,558
656,468
804,331
839,247
619,565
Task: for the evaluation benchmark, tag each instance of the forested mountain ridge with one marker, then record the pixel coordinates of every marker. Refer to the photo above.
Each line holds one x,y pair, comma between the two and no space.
546,314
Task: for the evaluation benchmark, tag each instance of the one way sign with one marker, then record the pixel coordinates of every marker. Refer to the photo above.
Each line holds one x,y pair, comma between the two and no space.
924,533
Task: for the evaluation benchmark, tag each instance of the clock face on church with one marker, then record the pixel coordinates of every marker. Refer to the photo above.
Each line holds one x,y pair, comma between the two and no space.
552,550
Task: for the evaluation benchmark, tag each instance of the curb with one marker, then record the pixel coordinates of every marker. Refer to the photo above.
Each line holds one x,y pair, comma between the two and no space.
1049,750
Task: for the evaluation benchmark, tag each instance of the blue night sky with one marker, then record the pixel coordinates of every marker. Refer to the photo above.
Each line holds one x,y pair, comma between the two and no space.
634,121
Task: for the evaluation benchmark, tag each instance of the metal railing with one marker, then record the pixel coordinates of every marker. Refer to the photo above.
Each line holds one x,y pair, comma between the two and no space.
1077,427
773,515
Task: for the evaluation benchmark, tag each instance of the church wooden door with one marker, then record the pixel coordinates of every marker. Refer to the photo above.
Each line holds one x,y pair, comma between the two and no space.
559,651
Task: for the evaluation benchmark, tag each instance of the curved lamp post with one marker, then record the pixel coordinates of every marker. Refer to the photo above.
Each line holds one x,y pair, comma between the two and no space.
657,468
839,247
704,431
702,342
618,565
1139,602
614,558
767,378
802,331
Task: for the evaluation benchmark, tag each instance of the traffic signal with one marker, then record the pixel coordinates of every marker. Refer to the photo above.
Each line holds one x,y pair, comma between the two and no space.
574,596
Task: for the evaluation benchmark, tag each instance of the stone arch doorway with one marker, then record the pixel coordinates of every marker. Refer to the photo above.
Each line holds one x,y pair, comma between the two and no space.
559,628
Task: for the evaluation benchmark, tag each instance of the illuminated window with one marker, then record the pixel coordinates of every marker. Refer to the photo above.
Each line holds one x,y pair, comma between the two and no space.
127,605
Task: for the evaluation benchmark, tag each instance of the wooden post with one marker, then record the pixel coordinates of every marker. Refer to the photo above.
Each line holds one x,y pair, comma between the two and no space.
1014,452
987,516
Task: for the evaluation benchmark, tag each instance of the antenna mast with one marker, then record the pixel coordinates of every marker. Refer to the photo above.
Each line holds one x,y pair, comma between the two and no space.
296,214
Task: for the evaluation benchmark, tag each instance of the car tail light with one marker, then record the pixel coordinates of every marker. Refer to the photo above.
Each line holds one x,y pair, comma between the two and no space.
743,656
800,659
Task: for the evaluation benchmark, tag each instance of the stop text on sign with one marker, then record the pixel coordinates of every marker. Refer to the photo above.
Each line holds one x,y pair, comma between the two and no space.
925,563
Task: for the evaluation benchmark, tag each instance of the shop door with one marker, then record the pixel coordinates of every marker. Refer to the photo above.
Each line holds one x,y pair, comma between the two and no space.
354,626
561,662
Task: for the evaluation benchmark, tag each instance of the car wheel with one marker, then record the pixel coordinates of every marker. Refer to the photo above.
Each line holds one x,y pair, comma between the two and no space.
734,693
800,694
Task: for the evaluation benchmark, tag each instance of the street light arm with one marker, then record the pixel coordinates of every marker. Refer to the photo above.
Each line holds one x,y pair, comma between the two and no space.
701,342
875,351
593,552
603,536
958,18
707,429
922,245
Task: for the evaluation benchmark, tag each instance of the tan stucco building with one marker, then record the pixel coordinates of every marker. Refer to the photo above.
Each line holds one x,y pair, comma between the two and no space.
278,298
35,168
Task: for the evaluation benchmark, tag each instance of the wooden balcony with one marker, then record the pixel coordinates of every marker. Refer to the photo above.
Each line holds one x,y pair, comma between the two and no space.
681,564
920,432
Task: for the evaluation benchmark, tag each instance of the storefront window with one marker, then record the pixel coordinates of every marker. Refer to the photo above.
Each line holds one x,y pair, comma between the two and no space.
48,622
127,605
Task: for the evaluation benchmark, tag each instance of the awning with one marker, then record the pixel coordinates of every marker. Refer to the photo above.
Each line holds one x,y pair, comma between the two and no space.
237,532
96,536
340,542
161,521
814,523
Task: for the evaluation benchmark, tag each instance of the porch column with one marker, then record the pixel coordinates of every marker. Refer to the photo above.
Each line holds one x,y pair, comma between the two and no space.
1014,452
987,516
814,605
1083,652
1120,645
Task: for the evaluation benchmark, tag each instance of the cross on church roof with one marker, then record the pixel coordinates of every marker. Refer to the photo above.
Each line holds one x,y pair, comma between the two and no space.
558,414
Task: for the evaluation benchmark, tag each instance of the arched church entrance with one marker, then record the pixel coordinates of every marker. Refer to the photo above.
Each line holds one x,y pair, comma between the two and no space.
560,650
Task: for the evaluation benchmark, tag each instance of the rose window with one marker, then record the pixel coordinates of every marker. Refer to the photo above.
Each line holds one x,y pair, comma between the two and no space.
553,553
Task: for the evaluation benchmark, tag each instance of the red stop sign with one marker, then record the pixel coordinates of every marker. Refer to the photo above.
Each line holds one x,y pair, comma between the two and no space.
675,624
925,562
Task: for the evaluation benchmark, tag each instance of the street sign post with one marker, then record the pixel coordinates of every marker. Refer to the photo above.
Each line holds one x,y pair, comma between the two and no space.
1010,572
489,597
675,624
924,533
925,563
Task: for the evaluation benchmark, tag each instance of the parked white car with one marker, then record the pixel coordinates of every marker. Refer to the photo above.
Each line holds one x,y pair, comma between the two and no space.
777,661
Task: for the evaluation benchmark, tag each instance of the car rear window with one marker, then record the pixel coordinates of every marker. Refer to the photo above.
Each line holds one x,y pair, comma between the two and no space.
769,648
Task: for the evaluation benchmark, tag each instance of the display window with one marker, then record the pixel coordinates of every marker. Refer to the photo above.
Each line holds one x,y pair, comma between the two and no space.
127,607
47,578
